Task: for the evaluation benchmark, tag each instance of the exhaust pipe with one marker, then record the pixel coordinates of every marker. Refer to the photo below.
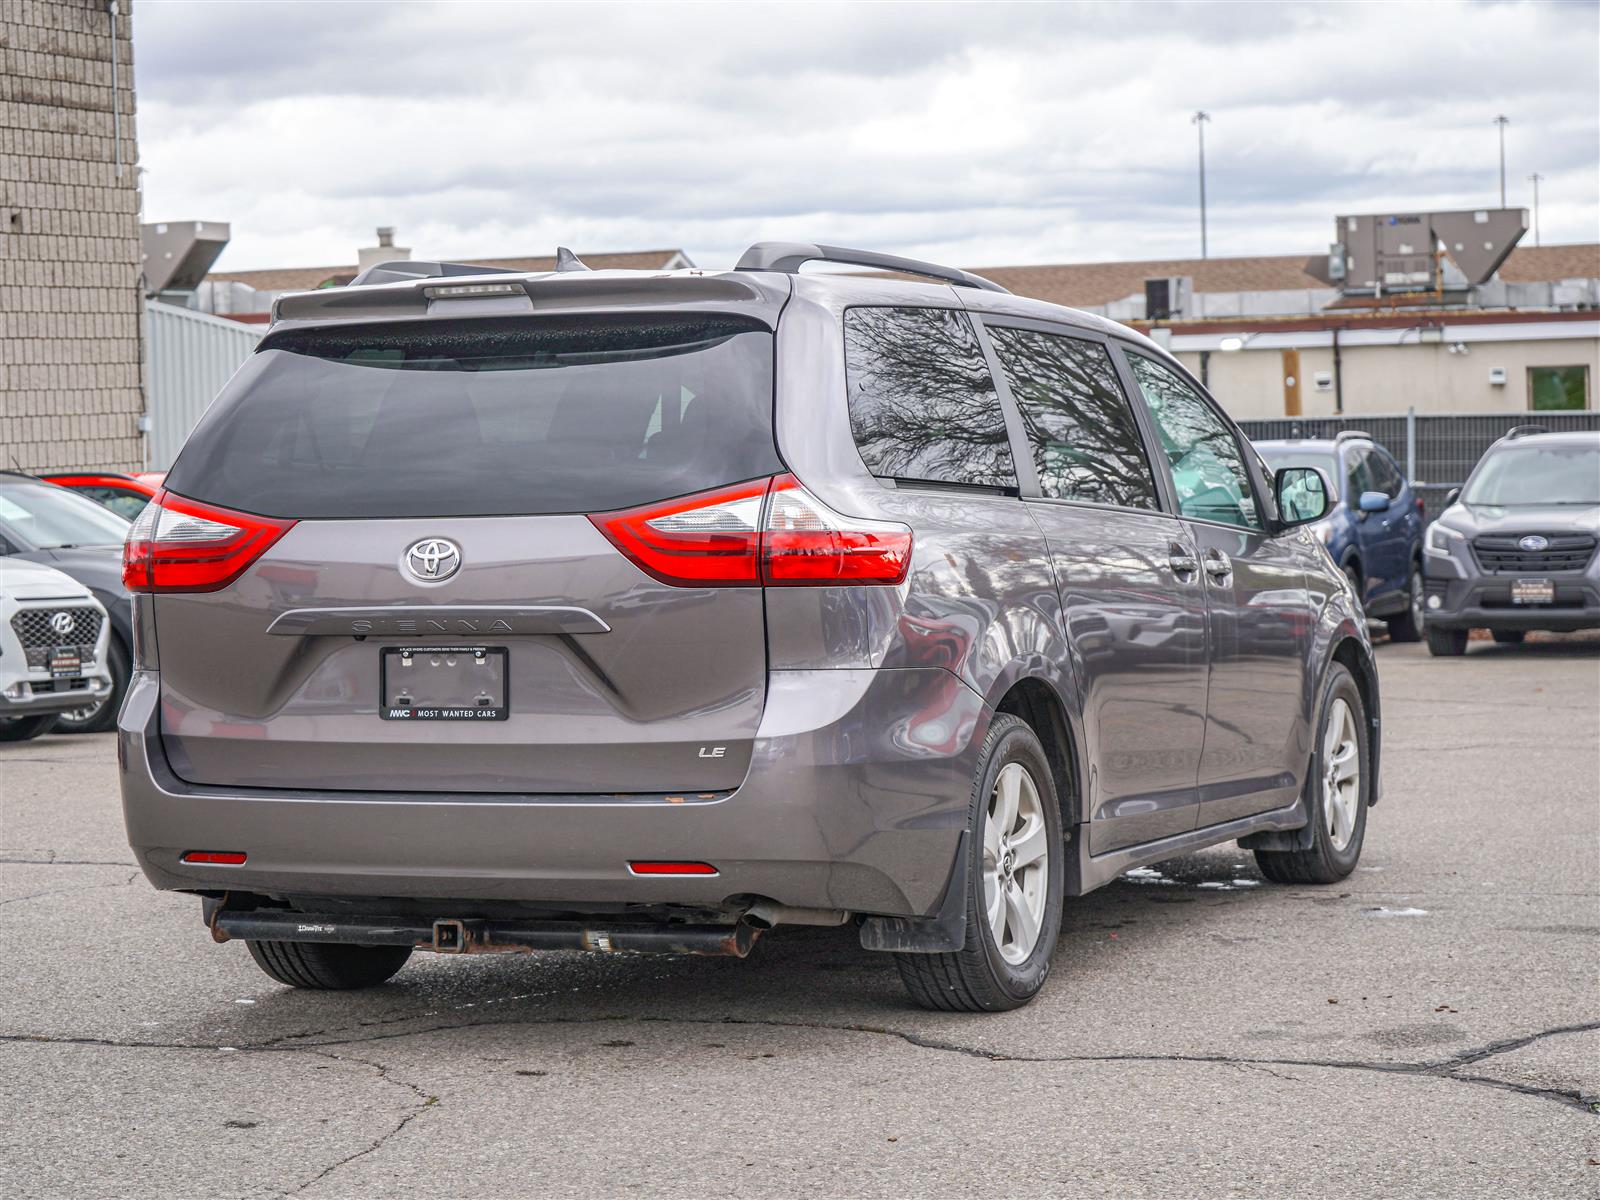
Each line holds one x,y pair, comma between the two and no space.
764,914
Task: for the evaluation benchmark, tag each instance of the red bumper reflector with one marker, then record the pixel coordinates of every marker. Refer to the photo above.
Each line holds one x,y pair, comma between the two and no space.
672,868
215,858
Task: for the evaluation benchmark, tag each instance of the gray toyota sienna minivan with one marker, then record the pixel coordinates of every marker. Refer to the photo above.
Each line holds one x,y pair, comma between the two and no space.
637,611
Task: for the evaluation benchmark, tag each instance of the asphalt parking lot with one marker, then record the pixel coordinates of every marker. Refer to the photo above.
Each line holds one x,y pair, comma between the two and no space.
1429,1028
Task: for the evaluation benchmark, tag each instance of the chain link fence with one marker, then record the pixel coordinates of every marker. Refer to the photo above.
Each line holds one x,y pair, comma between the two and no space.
1437,450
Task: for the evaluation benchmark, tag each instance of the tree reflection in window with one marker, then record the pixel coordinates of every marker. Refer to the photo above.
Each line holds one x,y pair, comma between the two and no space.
1203,455
922,403
1085,444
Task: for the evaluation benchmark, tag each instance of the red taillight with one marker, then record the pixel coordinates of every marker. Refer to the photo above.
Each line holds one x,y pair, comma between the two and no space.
181,545
769,531
215,858
672,868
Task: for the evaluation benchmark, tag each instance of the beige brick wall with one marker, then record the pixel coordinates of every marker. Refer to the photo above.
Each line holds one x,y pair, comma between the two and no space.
70,294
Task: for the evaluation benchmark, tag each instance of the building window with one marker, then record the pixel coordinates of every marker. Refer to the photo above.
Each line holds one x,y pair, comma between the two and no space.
1551,389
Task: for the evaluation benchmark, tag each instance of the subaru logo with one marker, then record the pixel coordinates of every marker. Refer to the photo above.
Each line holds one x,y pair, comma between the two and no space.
1534,542
433,559
62,623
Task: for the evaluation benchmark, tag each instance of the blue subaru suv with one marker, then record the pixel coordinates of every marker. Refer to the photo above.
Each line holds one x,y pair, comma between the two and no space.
1373,531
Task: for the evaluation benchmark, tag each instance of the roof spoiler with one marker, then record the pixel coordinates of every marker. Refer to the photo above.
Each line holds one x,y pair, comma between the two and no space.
788,257
403,269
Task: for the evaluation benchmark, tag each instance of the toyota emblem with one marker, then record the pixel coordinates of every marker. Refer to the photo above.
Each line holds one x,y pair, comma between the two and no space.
62,623
433,560
1534,542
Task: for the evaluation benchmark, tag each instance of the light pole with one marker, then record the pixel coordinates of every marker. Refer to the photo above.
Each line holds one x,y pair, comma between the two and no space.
1199,122
1535,178
1502,120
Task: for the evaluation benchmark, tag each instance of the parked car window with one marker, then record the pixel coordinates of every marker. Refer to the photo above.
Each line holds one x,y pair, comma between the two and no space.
42,516
1085,443
120,501
1386,476
1533,474
1359,474
922,403
1277,459
1203,455
489,417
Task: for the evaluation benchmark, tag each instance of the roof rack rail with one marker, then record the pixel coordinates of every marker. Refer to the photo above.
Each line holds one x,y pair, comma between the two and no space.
1352,435
789,256
1522,431
407,268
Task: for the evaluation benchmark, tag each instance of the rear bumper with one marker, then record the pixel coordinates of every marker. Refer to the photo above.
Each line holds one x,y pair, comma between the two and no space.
1484,602
856,797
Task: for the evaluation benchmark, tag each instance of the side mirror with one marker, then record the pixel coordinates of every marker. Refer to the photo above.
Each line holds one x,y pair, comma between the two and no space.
1303,495
1373,502
1452,496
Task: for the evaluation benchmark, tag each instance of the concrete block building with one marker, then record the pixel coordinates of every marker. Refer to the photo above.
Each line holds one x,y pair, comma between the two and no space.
71,301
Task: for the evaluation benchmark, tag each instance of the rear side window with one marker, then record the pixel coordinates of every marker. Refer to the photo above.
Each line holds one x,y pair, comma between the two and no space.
1386,475
1358,473
1085,443
923,405
486,418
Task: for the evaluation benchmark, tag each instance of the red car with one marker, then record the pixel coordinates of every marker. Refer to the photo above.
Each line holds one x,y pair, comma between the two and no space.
125,495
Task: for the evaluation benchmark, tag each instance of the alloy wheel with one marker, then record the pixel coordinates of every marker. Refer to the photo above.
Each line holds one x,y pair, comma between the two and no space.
1341,774
1016,863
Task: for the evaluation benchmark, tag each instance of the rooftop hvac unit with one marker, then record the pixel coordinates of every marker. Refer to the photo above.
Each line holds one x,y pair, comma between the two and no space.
1380,254
177,254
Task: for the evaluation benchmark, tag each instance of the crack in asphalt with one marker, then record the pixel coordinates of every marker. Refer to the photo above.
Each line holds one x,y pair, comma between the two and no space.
1444,1068
65,891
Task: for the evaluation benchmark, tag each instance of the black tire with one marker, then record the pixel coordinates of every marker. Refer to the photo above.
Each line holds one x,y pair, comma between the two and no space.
1447,643
1508,637
104,715
977,978
1406,626
23,729
1322,861
328,966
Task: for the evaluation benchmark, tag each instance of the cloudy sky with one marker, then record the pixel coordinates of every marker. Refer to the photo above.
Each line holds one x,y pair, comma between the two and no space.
976,134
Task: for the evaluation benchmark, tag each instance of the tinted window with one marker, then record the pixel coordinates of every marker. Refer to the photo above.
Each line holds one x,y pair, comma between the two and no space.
120,501
1358,475
1085,443
484,418
1203,455
1386,475
922,402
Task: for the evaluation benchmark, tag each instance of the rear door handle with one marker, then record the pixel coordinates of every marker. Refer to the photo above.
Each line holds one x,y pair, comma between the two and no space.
1218,564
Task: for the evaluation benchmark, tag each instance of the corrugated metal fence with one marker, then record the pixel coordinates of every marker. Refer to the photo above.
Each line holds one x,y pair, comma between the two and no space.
192,354
1437,450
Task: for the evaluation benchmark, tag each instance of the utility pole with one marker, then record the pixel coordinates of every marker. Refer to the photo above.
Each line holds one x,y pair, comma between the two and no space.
1199,122
1502,120
1535,178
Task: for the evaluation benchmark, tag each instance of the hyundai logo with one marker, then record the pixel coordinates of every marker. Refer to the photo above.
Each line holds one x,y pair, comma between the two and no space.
62,623
433,560
1534,542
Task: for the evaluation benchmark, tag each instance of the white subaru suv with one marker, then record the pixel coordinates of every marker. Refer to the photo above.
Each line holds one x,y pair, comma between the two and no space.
53,637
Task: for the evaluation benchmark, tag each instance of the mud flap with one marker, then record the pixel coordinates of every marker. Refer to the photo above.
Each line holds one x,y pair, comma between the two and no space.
942,933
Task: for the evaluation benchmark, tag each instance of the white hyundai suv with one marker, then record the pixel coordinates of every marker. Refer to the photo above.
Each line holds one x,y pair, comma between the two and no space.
53,637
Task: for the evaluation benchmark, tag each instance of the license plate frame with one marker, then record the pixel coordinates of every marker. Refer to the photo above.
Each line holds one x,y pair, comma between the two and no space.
66,662
1533,591
439,684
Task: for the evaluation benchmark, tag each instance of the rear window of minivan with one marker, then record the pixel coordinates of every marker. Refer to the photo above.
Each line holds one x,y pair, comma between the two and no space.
489,417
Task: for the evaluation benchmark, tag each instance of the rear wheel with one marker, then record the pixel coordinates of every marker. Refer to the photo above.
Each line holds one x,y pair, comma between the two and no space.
1447,643
1337,792
102,715
1015,875
327,966
1407,626
22,729
1508,637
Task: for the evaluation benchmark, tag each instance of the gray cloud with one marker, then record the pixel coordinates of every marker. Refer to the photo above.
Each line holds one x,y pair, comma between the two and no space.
988,133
